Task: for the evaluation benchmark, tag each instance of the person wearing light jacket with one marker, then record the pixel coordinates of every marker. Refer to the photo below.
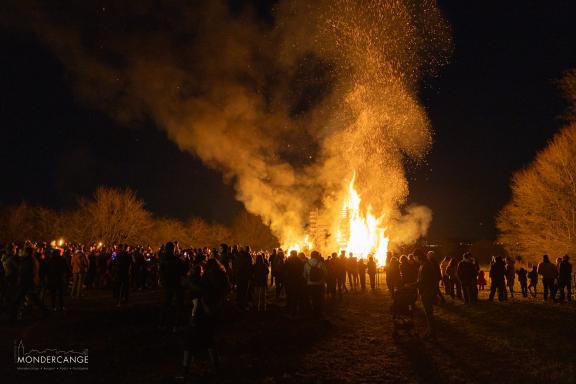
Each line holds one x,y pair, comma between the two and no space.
315,276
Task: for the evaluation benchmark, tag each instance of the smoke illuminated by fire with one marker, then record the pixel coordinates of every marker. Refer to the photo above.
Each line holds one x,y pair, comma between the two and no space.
311,111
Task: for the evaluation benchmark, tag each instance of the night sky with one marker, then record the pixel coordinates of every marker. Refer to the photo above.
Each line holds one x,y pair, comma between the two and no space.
492,108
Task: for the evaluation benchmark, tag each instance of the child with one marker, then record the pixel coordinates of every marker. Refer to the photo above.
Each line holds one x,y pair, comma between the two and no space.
533,276
523,281
481,280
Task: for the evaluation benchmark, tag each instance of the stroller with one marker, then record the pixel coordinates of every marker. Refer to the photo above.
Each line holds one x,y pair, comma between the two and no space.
403,311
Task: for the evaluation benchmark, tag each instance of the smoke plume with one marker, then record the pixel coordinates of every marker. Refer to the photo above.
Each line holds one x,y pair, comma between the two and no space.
287,106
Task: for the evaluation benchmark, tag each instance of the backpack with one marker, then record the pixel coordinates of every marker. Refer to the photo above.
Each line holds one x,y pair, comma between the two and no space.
316,274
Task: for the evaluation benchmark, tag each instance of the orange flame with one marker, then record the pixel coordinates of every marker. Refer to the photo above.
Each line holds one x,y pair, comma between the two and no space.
364,233
299,246
360,233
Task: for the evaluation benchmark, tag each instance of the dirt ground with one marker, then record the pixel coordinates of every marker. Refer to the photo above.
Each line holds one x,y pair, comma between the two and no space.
522,340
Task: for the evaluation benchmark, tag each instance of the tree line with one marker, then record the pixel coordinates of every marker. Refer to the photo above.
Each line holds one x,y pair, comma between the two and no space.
541,215
114,216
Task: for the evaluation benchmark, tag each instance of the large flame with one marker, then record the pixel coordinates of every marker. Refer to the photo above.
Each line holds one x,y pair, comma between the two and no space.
363,233
359,232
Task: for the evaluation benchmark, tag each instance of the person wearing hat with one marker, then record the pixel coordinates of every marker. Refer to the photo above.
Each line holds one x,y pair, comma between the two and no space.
565,279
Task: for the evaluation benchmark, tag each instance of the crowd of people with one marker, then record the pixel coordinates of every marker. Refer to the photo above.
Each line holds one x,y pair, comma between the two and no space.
45,273
207,278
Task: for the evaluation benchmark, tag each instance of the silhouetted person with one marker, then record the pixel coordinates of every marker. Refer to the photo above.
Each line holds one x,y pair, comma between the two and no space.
28,279
139,269
352,271
123,264
428,279
260,279
497,278
102,271
436,265
523,280
209,294
79,265
393,277
92,267
341,273
315,276
10,266
355,272
510,275
565,279
171,272
466,272
556,282
548,272
56,275
362,273
294,282
40,255
533,277
226,259
446,277
372,268
277,265
454,281
331,276
481,280
271,258
476,271
408,271
243,275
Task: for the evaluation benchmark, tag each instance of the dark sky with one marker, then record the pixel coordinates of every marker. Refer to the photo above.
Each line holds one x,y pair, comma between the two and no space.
492,108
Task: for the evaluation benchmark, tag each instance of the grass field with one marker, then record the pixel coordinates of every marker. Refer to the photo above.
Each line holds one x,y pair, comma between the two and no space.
520,341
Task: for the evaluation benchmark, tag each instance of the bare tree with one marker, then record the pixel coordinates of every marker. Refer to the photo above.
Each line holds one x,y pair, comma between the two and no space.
165,230
26,222
17,223
113,216
568,85
49,224
541,216
201,233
